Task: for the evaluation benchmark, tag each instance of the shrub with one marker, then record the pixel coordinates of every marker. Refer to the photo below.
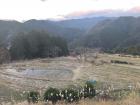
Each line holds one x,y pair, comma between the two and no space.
88,90
70,95
52,94
119,62
33,97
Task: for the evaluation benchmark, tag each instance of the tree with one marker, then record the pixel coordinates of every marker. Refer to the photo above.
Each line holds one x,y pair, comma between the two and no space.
19,46
4,55
37,45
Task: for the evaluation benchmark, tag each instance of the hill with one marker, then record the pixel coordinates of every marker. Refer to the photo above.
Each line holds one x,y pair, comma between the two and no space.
84,23
119,35
8,29
68,29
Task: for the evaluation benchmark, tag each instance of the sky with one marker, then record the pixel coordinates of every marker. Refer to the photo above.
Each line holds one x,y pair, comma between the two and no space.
66,9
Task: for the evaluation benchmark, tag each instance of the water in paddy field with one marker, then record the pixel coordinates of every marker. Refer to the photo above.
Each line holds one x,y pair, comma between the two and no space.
48,73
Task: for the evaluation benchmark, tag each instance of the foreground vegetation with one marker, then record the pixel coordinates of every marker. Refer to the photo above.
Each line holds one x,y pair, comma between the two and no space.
130,100
88,94
116,97
67,95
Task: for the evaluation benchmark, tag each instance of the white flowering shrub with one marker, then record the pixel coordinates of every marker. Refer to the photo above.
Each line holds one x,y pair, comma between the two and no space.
53,95
33,97
70,95
89,90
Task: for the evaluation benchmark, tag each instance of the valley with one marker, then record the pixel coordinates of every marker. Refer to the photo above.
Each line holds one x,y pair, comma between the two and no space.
62,72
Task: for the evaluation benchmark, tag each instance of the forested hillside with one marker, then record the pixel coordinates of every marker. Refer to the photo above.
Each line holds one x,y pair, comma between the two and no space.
83,24
68,29
8,29
119,35
42,38
116,35
37,44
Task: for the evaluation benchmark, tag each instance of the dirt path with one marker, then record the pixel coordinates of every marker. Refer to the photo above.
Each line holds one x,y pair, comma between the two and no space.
76,73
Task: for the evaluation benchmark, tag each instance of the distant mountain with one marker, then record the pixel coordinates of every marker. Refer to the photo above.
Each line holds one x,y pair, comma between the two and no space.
110,34
84,23
121,33
68,29
53,29
8,29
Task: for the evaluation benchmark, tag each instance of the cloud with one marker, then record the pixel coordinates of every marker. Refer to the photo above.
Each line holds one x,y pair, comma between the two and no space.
60,9
135,9
43,0
79,13
106,13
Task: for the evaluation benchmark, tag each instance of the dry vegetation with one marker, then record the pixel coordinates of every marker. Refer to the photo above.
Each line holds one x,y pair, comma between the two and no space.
132,99
97,68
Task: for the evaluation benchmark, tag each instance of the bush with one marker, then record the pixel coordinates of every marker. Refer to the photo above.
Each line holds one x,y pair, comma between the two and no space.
88,90
70,95
52,94
119,62
33,97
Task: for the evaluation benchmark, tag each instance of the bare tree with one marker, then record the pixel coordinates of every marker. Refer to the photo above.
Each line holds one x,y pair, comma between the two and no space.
86,54
80,52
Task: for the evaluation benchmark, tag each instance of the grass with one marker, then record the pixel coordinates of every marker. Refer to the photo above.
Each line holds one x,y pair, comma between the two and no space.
115,75
132,99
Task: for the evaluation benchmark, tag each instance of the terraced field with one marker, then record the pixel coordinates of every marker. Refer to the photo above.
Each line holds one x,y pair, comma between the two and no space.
40,74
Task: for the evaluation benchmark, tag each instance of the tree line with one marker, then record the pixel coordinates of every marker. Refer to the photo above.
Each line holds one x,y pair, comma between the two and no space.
35,44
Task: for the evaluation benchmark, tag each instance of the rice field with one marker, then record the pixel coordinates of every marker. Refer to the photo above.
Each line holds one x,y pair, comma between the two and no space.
39,74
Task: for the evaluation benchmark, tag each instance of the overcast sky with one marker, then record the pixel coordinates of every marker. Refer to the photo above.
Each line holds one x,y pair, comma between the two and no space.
61,9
